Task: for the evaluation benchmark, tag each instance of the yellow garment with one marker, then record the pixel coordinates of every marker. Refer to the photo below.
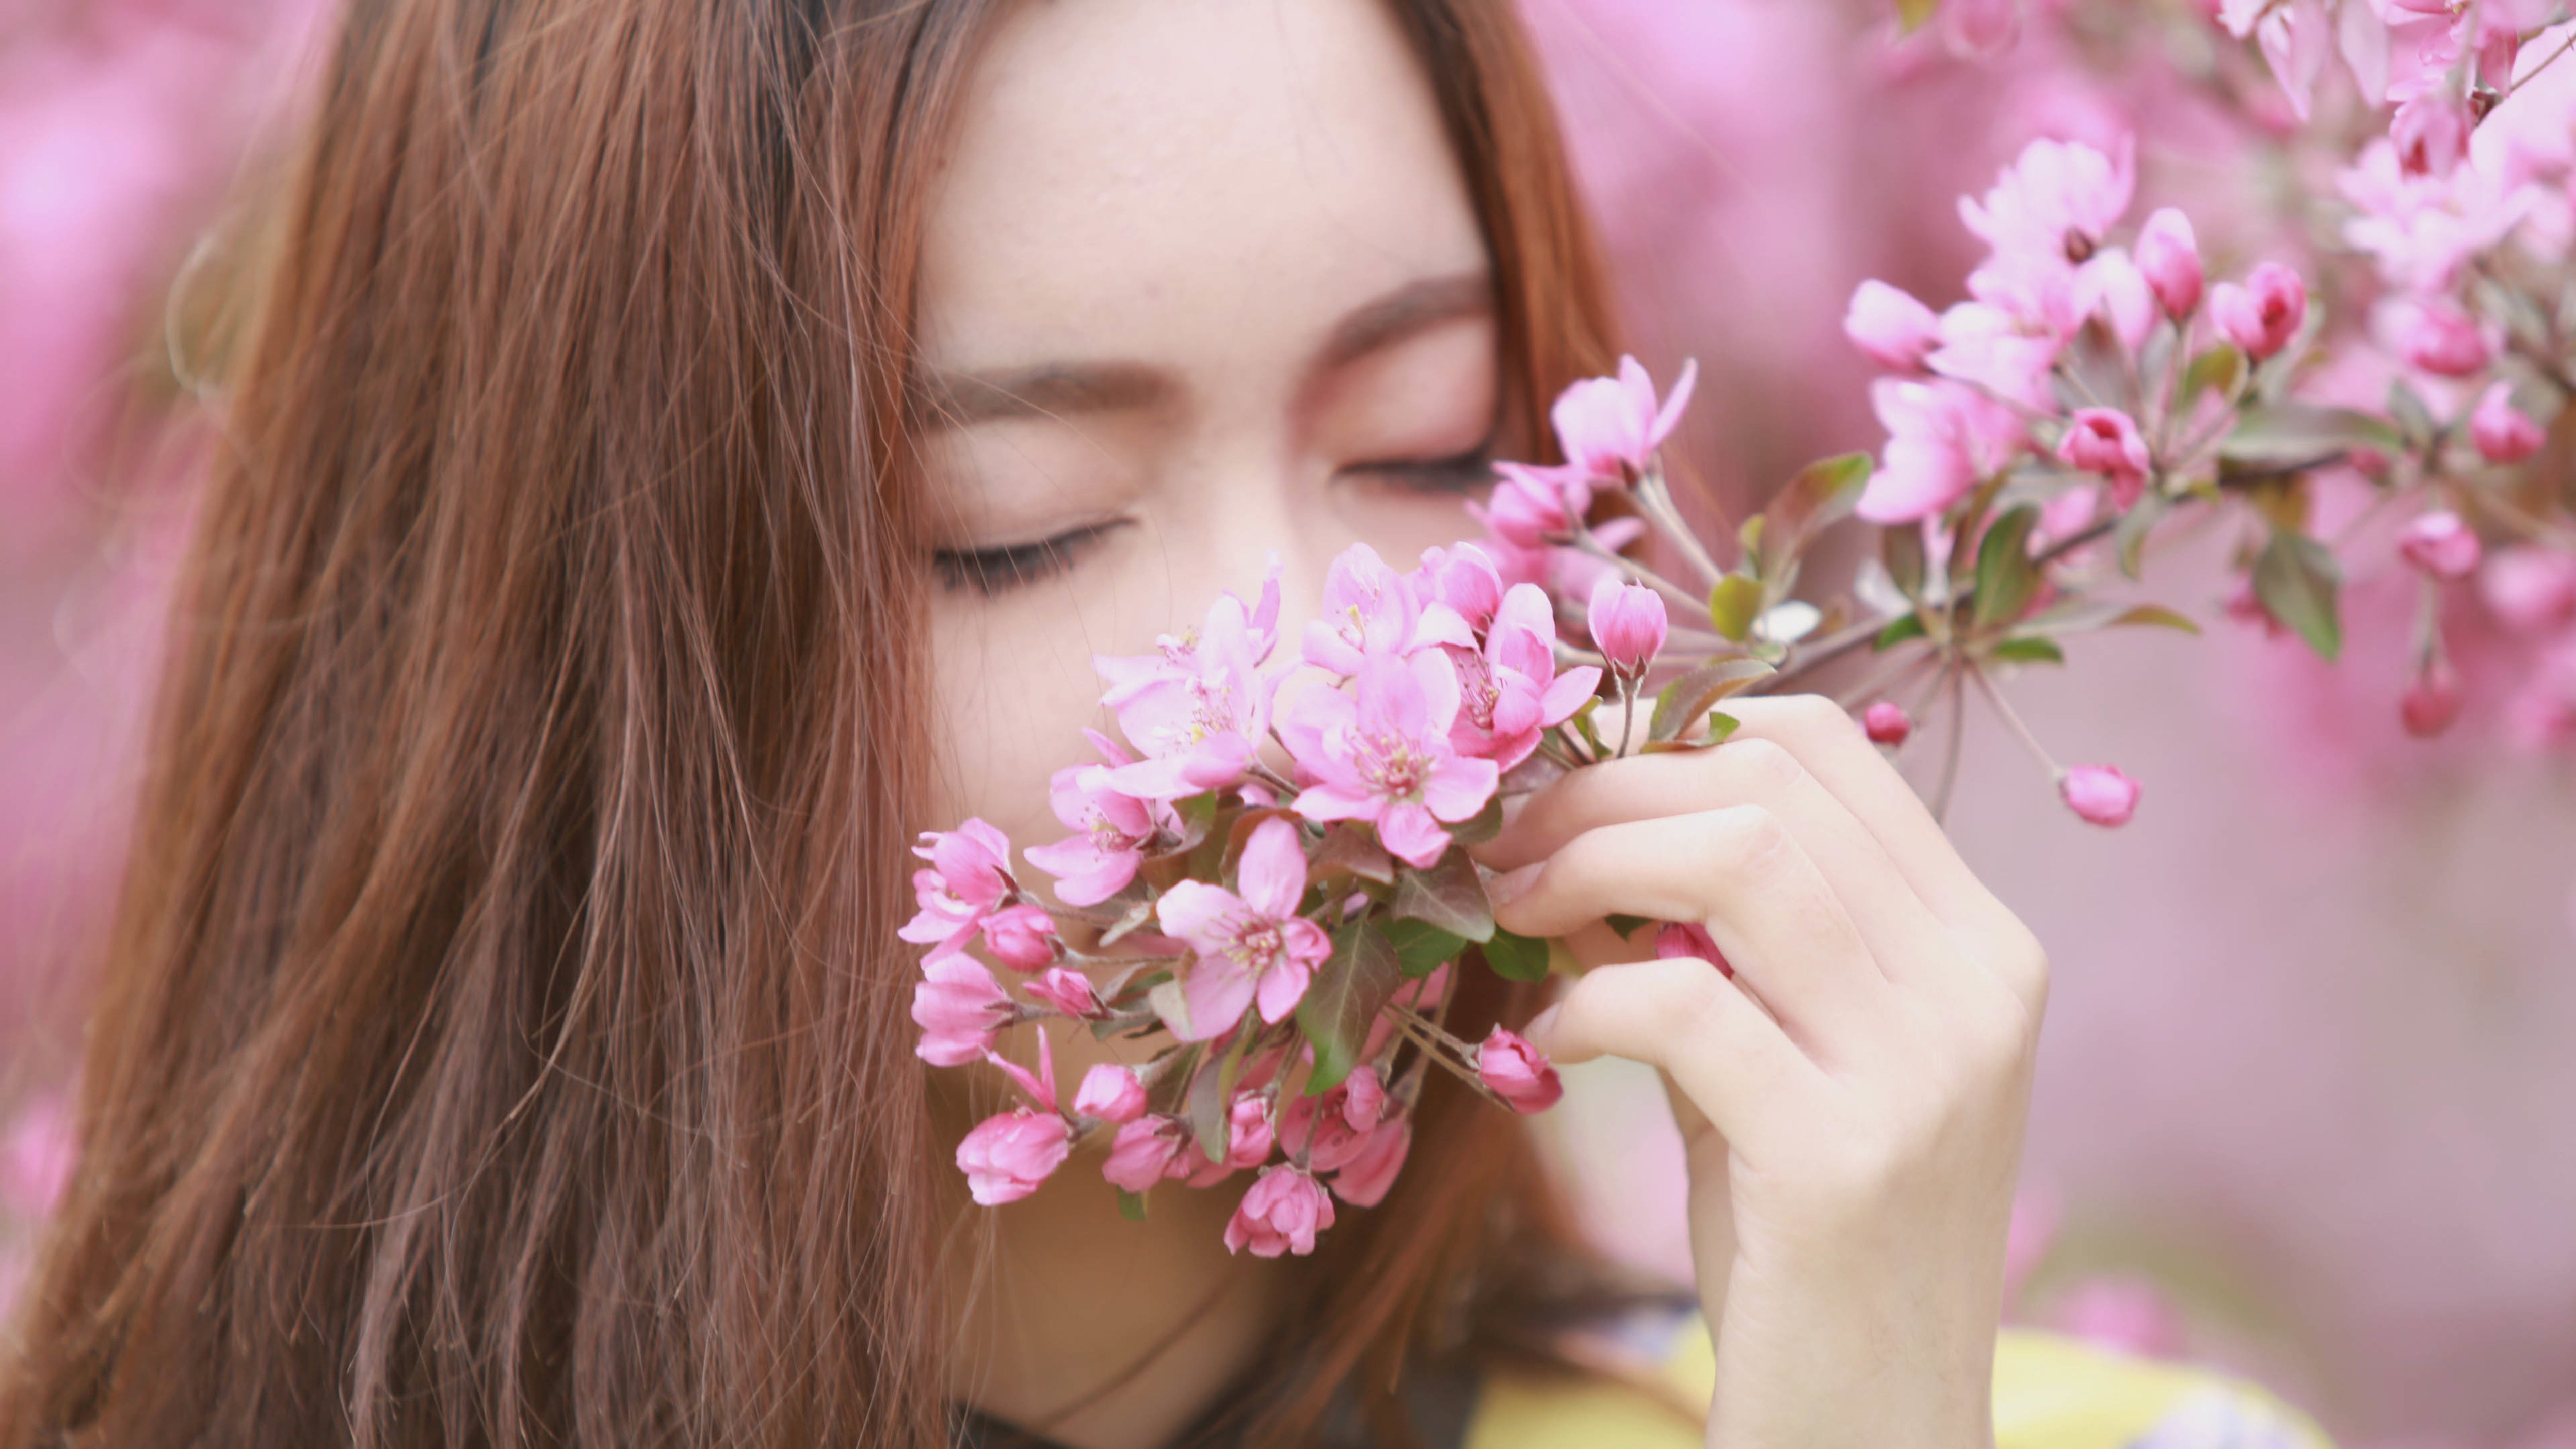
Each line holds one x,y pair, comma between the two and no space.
2050,1393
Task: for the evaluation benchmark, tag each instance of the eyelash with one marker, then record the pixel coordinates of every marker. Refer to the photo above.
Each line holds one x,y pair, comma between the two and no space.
1458,474
991,571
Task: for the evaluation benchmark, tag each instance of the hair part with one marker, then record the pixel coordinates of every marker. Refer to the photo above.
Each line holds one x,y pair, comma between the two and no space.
502,1039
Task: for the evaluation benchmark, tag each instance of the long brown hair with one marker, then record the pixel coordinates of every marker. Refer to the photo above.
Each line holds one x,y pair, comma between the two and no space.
503,1038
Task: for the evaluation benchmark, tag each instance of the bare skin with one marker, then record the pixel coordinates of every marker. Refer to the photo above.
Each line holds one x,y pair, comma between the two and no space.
1203,285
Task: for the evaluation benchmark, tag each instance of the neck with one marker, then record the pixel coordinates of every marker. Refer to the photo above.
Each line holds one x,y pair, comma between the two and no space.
1078,1324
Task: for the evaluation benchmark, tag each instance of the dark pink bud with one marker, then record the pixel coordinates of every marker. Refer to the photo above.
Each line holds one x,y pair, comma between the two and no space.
2431,133
1021,937
2433,701
2441,338
2504,433
1517,1072
1628,624
2107,441
2099,793
2169,254
2441,545
1110,1093
2262,316
1887,723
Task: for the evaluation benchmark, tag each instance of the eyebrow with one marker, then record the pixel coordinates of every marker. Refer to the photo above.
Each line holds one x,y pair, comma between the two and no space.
959,398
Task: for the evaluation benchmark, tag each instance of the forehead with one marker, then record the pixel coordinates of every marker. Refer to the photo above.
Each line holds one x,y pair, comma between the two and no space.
1193,181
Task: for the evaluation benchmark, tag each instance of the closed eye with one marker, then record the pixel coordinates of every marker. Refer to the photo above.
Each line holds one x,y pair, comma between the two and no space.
1461,473
990,571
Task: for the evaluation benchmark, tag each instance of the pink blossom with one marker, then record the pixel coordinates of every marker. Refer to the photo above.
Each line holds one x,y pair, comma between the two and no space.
1332,1128
1383,754
37,1162
1980,30
1369,608
2441,545
2423,230
1628,624
1610,427
2099,793
2058,199
1146,1151
1531,505
2502,432
1509,692
1464,578
1110,1093
1070,992
1251,947
1006,1156
2112,287
1281,1213
1941,439
2008,340
1887,723
1199,707
1038,1086
1113,829
1022,937
1248,1140
2262,316
2431,132
2432,698
1891,326
1517,1072
1372,1165
958,1007
969,875
2440,337
2107,441
2169,255
2532,590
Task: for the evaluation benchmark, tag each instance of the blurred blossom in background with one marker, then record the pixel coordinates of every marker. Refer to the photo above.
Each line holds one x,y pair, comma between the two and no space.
2301,1106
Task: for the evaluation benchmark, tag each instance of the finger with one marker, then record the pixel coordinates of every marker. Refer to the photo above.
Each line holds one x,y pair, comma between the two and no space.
1903,935
1739,872
1833,748
1685,1017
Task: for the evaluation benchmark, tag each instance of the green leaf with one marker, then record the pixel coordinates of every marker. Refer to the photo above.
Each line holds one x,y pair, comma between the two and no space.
1343,1001
1131,1206
2216,369
2413,418
2006,579
2082,616
1626,926
1908,627
1421,947
1748,537
1911,15
1448,896
1820,496
2289,436
1207,1109
2030,650
1685,699
1720,726
2156,615
1901,549
1516,958
2129,535
2296,578
1734,604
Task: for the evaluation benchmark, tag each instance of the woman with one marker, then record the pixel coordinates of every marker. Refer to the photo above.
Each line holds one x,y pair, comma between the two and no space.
682,448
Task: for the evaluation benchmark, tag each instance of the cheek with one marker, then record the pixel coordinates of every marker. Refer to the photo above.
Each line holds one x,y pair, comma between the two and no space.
1014,687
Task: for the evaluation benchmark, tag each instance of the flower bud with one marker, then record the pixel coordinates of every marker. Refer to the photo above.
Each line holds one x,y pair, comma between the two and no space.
1676,940
2262,316
958,1006
2442,339
2431,132
1070,992
1005,1157
1146,1151
2169,254
1887,723
1021,937
2441,545
1517,1072
2504,433
1110,1093
1628,624
1281,1213
2433,700
1891,326
2099,793
2107,441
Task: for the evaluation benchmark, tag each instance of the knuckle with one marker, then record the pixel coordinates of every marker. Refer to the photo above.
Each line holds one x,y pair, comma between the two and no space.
1744,837
1763,767
1691,995
1815,717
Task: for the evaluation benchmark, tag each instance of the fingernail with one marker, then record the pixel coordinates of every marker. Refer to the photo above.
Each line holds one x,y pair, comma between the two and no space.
1509,886
1536,1032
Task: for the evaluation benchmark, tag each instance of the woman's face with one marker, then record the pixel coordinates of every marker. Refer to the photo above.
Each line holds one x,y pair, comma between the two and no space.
1203,285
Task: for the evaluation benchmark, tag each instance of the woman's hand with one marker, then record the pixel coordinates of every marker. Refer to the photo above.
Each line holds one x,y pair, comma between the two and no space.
1852,1101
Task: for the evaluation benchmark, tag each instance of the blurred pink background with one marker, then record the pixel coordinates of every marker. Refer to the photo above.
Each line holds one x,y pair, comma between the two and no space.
2308,1059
